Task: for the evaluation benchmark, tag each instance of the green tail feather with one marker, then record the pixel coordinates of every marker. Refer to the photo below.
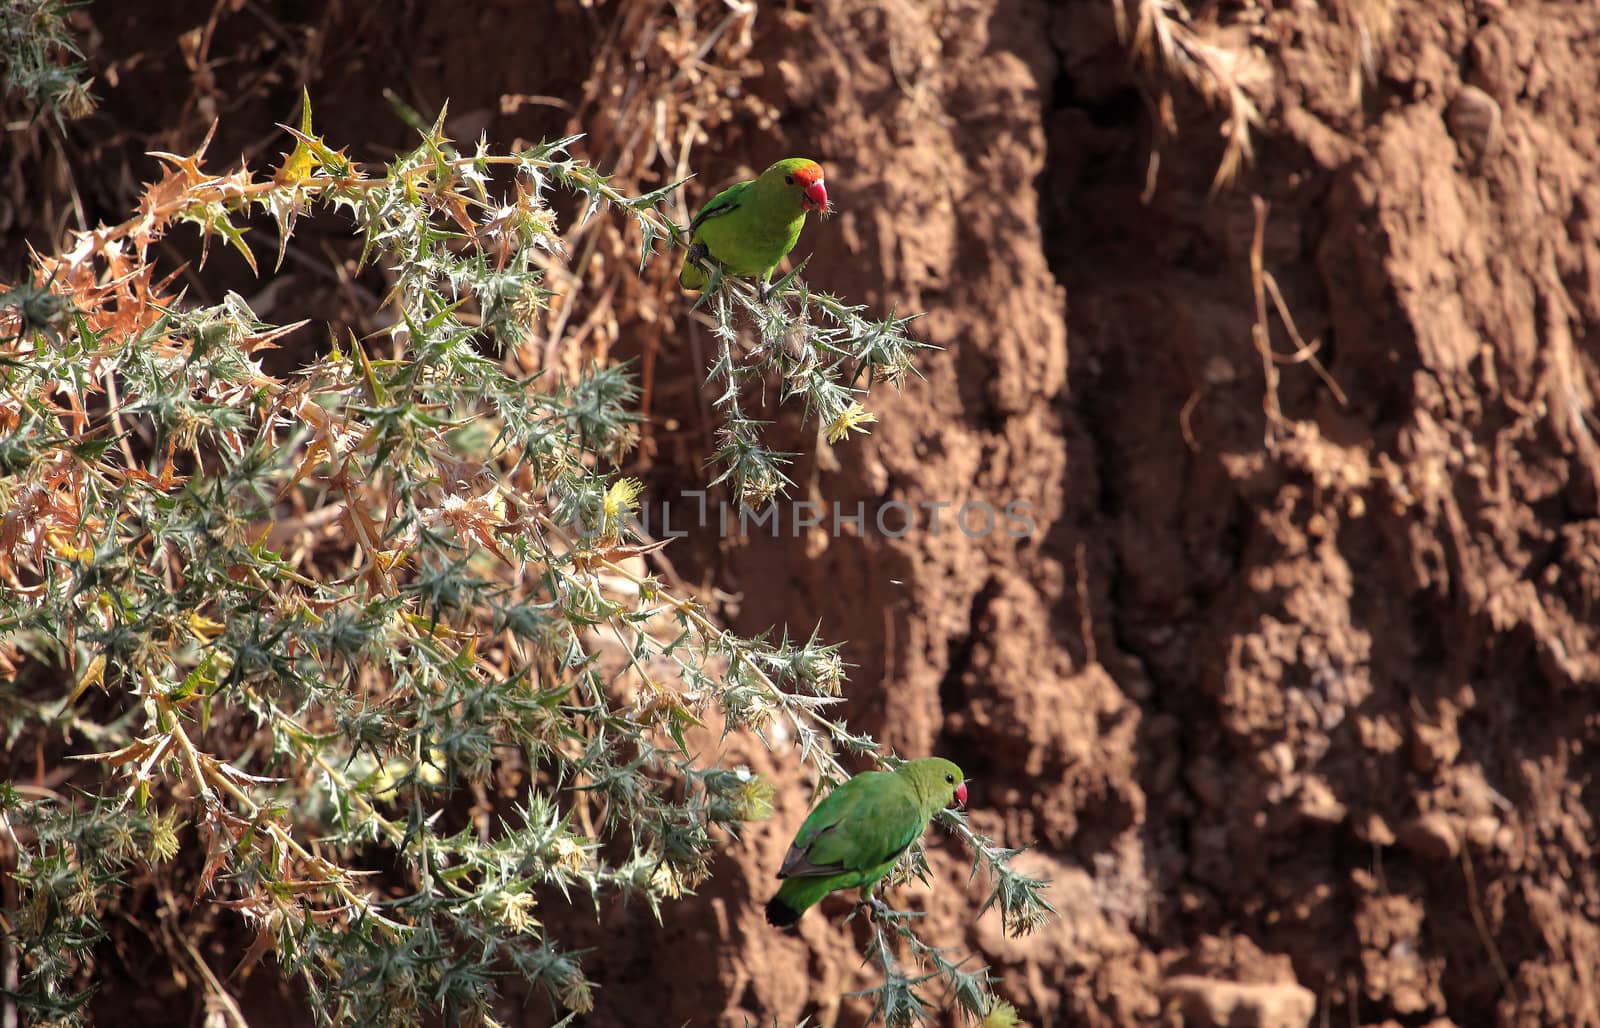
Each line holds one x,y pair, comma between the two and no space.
798,895
780,914
690,276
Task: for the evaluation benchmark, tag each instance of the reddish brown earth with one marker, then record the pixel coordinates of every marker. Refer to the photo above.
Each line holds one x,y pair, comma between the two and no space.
1307,698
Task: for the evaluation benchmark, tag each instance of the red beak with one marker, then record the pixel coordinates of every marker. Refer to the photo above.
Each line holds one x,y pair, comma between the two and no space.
961,794
816,197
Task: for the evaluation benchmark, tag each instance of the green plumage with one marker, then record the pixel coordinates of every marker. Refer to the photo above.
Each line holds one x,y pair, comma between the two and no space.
752,225
854,836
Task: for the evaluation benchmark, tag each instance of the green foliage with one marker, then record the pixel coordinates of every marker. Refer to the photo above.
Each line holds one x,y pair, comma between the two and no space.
902,999
39,60
816,347
372,638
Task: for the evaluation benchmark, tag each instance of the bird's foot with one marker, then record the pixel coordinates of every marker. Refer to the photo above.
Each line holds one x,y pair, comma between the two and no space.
701,258
875,908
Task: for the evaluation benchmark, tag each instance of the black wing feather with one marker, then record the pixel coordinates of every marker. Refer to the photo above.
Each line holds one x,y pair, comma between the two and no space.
724,202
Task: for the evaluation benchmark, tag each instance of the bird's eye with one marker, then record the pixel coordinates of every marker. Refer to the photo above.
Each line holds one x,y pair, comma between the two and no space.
950,778
789,179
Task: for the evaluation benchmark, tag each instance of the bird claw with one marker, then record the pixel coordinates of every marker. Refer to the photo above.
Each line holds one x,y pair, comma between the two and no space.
701,258
875,908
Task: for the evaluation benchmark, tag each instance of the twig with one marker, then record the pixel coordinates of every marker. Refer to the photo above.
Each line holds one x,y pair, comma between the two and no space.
1304,352
1481,923
1261,285
224,1000
1085,611
1258,331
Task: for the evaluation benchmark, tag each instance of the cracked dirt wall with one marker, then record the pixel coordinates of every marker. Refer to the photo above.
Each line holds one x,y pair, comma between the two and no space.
1293,703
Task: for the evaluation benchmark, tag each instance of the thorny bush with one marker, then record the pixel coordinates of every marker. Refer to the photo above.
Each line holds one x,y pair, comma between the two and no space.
298,623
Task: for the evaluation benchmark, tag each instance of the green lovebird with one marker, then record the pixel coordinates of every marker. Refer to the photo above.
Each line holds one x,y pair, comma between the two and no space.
855,835
751,226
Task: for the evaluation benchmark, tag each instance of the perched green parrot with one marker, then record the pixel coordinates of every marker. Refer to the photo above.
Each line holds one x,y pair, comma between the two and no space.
855,835
751,226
